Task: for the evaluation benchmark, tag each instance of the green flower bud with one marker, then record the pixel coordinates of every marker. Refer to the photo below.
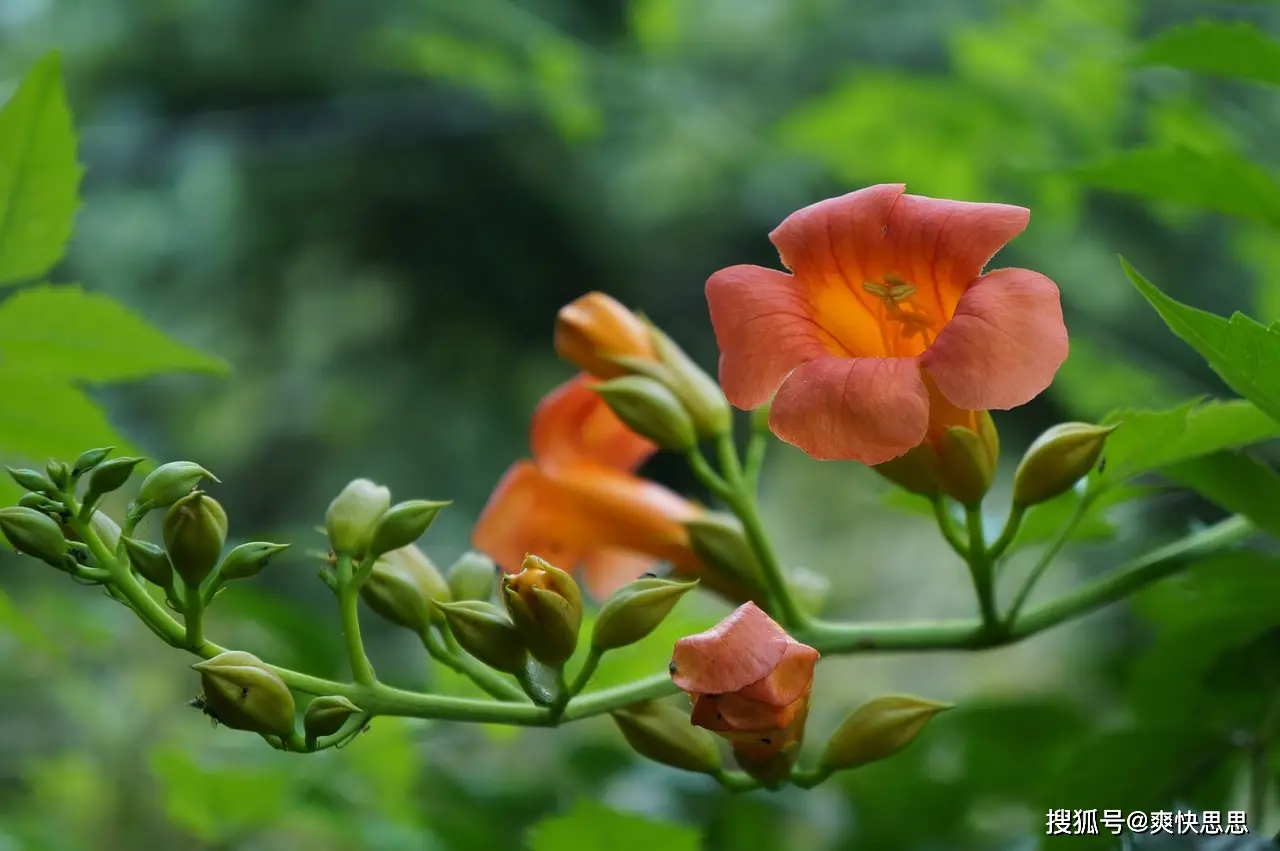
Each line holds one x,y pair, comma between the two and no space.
699,392
484,631
325,716
650,410
167,484
248,560
33,481
878,729
472,577
402,587
721,544
58,472
42,503
546,607
150,561
107,530
353,515
194,530
109,476
662,733
960,462
915,471
89,459
809,587
244,694
34,534
1058,459
403,524
635,610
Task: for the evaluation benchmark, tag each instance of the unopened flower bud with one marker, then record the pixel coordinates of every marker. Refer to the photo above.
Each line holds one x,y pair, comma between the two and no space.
1058,459
150,561
472,577
194,529
546,607
58,472
878,729
595,329
484,631
402,587
403,524
720,543
635,610
662,733
109,476
167,484
89,459
107,530
697,391
33,481
650,410
248,560
915,471
967,460
34,534
325,716
353,515
42,503
244,694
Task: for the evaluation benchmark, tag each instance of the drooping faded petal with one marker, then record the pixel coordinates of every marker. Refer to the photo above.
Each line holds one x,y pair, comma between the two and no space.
742,648
763,328
572,424
528,513
792,678
858,409
1004,345
607,569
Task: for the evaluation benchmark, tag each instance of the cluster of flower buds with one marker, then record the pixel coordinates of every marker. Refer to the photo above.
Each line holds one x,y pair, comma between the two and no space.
644,376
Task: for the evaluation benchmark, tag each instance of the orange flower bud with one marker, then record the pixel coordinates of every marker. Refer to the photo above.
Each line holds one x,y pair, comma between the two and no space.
593,330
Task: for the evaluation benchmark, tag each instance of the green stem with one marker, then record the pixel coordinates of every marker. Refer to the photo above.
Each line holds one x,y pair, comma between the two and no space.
348,597
808,778
736,781
947,526
193,616
587,670
1046,559
980,567
757,444
447,654
1008,534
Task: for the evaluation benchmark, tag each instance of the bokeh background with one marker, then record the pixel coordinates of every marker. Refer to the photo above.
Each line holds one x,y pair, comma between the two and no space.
372,212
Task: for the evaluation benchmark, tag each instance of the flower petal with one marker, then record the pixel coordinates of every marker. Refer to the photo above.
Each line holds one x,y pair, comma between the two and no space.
840,239
529,513
572,424
860,409
763,329
1004,345
608,569
742,648
785,684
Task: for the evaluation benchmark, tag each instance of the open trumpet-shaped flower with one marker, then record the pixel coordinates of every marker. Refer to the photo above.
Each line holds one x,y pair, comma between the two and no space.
578,504
885,322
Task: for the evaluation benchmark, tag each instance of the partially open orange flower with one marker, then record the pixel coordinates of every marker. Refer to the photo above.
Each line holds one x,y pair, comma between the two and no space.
578,504
596,327
749,681
885,317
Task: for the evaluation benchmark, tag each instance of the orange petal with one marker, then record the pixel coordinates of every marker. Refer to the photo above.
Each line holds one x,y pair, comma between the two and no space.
763,328
1004,345
706,713
742,648
840,238
528,513
572,424
785,684
860,409
606,570
629,512
596,327
941,246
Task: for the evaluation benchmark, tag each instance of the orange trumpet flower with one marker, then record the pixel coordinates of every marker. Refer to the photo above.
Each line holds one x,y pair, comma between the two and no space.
885,323
578,504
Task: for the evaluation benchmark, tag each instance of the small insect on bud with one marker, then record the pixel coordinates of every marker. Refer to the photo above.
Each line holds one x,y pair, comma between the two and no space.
109,476
1058,459
32,480
472,577
89,459
403,524
244,694
402,586
484,631
167,484
325,716
150,561
545,605
194,529
635,610
650,410
34,534
878,729
353,515
662,733
248,560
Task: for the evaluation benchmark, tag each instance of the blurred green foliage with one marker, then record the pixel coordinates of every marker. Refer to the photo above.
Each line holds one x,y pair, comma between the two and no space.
372,214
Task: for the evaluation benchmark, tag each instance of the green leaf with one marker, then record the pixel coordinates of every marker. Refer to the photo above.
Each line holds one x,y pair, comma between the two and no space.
1215,590
1044,522
215,803
39,174
76,334
1146,440
42,417
1223,182
1236,483
590,826
1225,49
1244,352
